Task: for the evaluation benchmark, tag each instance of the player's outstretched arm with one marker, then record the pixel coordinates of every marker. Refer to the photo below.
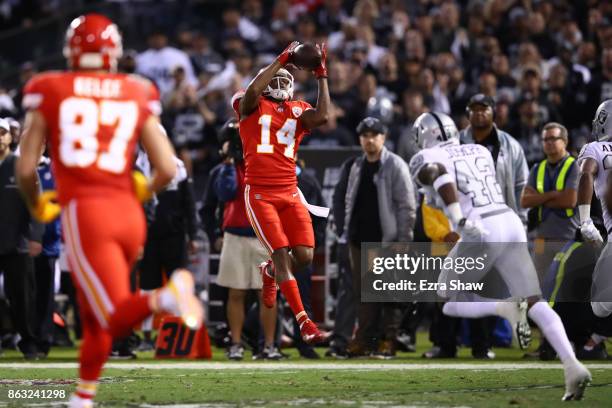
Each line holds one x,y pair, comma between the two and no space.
318,116
31,148
160,153
588,171
249,101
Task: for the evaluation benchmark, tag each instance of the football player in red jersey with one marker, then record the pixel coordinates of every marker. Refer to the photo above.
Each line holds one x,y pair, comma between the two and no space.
91,119
272,126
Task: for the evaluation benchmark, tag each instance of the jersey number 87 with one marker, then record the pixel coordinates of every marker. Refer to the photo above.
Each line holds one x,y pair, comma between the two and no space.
79,123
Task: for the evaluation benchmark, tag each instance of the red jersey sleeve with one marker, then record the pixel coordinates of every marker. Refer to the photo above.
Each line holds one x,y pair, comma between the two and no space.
34,93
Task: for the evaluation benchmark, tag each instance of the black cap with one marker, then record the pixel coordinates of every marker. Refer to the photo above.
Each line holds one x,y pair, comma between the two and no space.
371,124
481,99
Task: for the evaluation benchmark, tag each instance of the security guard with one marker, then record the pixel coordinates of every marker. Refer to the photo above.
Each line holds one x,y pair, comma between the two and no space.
551,194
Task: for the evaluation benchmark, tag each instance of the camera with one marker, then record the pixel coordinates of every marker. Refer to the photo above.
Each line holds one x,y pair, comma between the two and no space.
230,133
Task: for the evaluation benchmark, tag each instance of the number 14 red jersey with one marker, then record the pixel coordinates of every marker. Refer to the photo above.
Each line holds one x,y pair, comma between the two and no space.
270,138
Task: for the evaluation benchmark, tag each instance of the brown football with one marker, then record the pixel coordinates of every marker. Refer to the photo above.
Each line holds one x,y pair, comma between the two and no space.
306,56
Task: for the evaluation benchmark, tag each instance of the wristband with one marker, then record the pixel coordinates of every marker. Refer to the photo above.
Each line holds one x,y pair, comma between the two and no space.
454,212
584,211
442,180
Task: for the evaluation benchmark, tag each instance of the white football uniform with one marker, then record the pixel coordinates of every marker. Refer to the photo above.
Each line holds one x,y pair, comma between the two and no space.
601,152
505,242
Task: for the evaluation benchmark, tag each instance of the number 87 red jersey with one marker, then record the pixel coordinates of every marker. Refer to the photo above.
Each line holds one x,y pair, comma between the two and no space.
94,121
270,137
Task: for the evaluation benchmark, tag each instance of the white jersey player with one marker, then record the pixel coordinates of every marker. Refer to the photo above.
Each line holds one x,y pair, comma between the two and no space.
595,162
461,180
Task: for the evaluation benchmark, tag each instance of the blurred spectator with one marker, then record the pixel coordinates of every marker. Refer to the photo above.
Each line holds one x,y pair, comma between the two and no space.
331,134
526,128
203,57
21,241
46,268
510,165
601,85
413,107
15,133
160,61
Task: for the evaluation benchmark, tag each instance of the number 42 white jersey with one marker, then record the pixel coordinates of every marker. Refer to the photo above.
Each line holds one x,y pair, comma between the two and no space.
601,152
473,170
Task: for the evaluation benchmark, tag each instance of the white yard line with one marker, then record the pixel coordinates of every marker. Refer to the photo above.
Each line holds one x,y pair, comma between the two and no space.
305,366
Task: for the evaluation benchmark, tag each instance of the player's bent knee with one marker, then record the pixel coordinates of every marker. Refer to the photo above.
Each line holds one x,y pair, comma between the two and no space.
303,256
602,309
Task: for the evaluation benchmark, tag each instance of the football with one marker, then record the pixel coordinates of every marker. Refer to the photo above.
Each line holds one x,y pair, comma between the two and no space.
307,56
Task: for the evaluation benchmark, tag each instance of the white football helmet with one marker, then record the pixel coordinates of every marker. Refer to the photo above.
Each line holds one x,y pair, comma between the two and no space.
281,86
432,128
602,124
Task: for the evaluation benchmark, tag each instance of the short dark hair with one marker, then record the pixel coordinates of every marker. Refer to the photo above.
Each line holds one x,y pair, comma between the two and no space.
556,125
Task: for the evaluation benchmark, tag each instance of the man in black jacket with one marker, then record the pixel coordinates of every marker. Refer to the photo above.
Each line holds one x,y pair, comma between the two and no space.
20,240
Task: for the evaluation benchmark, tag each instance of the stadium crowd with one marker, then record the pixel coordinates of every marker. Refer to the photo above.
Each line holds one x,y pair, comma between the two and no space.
524,78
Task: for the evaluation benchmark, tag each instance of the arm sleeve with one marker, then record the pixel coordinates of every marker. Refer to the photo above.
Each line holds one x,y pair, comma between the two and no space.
404,201
34,94
226,183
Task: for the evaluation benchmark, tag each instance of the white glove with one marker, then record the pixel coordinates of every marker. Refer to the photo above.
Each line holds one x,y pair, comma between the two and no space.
471,231
590,233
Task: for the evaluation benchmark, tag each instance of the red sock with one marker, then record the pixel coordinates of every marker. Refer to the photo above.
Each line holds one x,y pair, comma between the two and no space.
289,289
95,348
128,314
86,389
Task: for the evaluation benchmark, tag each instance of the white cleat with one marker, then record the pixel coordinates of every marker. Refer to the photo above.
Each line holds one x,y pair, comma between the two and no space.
577,377
187,305
516,314
77,402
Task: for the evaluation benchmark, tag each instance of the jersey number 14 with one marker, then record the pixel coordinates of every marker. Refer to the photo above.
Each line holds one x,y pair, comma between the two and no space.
285,135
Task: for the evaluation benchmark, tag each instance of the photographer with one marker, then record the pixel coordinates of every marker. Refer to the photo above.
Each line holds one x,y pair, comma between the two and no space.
241,252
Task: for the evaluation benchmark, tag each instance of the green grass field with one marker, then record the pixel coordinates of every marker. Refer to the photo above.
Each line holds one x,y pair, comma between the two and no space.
407,381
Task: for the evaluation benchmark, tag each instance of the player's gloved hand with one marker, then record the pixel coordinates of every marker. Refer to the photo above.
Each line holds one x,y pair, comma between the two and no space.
141,186
590,232
46,209
286,56
321,70
470,231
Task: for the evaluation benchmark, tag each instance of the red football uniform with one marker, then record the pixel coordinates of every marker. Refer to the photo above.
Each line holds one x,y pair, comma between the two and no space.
270,138
93,124
94,121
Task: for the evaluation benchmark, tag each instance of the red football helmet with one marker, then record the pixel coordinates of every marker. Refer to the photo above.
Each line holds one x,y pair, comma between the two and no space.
92,42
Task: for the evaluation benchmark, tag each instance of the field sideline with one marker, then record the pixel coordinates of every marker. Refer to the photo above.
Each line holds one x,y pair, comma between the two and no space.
408,381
